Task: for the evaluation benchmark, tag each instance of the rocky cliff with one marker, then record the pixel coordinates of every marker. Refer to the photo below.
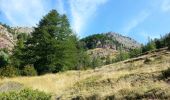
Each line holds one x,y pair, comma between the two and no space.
124,40
108,44
6,38
8,35
110,40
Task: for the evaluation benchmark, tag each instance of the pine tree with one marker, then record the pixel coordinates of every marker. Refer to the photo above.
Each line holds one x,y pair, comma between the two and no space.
52,46
17,58
135,52
4,59
149,46
84,60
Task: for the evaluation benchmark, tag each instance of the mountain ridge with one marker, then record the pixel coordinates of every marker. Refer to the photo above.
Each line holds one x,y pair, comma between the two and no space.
111,40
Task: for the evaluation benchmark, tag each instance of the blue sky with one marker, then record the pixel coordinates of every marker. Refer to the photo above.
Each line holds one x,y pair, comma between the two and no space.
138,19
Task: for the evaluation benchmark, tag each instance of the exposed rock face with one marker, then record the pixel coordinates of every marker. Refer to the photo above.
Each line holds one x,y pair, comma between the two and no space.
110,41
27,30
6,38
125,41
108,44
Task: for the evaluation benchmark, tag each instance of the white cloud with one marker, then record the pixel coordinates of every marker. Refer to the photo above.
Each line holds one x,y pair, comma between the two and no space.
82,11
29,12
22,12
165,6
135,21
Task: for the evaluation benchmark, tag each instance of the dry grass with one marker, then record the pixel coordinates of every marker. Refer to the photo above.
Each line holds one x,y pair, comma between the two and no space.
119,79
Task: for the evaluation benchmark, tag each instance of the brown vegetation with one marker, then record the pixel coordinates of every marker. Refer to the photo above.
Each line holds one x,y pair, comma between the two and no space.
131,79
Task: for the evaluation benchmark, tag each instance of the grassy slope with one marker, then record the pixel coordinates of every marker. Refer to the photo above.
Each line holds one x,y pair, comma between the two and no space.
132,79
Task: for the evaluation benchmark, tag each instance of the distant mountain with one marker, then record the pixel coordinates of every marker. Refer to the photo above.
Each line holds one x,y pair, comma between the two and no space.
108,45
110,40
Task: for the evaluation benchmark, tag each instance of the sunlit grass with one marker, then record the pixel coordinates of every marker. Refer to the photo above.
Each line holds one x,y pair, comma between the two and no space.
118,78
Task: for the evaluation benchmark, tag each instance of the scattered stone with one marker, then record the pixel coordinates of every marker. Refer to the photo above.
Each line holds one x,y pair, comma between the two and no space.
10,86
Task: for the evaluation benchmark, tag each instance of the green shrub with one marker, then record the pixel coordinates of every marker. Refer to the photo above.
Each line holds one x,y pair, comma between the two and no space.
96,62
29,71
149,46
166,73
4,58
108,60
9,71
135,52
121,56
26,94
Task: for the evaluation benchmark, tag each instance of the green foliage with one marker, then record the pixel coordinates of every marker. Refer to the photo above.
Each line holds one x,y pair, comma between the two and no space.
9,71
149,46
83,61
26,94
70,53
167,40
17,59
51,48
4,58
163,41
159,43
29,71
166,73
23,36
98,40
108,60
83,58
96,62
135,52
123,55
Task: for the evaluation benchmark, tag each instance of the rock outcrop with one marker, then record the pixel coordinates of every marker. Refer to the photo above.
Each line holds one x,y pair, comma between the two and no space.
6,39
27,30
124,40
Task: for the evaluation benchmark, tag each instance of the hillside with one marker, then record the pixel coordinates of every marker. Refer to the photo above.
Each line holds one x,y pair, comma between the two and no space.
136,78
125,41
108,45
110,40
98,46
6,38
8,35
